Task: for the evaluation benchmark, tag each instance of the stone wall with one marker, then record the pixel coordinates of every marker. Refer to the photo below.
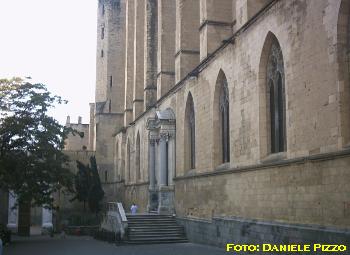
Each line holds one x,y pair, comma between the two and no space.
310,190
220,230
77,142
304,184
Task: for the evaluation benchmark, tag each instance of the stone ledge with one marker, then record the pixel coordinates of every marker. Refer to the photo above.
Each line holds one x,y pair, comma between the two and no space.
277,163
136,184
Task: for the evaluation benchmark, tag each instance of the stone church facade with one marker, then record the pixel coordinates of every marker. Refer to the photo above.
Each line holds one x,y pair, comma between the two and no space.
232,114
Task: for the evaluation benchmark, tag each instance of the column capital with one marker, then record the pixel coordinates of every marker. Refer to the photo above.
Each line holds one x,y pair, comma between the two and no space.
152,141
164,135
167,134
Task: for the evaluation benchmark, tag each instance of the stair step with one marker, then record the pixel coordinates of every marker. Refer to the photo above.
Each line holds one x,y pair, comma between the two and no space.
146,230
148,215
156,238
156,241
156,234
152,224
152,220
155,219
154,228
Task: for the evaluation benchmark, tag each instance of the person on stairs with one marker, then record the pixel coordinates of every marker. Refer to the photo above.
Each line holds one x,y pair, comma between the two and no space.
133,208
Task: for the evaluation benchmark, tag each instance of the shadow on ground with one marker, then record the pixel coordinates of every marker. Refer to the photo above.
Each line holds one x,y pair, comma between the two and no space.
43,245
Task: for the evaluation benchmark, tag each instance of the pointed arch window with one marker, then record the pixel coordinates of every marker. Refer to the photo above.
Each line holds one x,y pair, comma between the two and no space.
138,156
191,133
128,160
116,167
224,107
276,93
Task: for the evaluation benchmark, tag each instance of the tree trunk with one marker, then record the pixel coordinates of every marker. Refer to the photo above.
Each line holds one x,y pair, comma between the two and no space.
24,219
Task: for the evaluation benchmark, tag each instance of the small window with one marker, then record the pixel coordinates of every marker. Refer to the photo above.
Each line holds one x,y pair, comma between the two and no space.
110,81
110,106
103,9
101,53
102,33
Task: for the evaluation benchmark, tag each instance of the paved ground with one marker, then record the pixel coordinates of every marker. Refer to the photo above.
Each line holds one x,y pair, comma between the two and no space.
39,245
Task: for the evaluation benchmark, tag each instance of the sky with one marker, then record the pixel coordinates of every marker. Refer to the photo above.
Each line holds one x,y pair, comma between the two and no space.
54,42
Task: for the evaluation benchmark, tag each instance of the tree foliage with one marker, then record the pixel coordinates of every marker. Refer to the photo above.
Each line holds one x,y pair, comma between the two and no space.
82,183
88,185
96,191
32,163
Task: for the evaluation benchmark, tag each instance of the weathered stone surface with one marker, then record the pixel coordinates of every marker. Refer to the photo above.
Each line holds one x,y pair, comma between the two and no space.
307,183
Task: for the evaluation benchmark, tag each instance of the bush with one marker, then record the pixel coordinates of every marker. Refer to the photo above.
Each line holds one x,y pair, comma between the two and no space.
5,234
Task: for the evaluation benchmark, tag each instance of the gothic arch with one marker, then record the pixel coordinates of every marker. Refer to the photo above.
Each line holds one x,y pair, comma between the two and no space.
221,121
272,99
343,58
189,135
138,158
117,174
128,161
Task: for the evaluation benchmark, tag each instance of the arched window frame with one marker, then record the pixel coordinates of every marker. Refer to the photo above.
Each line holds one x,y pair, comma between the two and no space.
128,161
116,162
138,158
191,129
224,108
276,99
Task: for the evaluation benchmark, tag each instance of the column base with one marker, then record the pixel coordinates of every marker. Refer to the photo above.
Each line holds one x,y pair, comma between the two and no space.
12,227
152,201
46,228
166,200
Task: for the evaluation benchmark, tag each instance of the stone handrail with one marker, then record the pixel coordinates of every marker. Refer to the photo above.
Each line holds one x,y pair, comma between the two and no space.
116,220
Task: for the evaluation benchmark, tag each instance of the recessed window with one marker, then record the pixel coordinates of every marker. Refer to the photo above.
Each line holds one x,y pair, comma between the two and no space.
103,9
102,32
102,53
190,135
110,81
225,121
110,106
275,85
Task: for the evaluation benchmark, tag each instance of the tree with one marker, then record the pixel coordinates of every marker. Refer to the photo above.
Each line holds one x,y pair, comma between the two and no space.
82,183
32,163
88,185
96,192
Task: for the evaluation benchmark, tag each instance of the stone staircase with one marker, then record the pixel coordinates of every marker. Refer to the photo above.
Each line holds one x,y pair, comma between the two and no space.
154,228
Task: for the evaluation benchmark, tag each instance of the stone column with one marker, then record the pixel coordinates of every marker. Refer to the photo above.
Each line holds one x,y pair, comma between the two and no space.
150,56
46,220
129,61
139,30
186,37
152,173
171,158
166,193
215,24
12,223
163,160
153,196
166,47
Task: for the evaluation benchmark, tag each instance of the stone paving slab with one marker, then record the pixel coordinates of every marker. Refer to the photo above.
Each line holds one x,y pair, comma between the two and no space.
42,245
